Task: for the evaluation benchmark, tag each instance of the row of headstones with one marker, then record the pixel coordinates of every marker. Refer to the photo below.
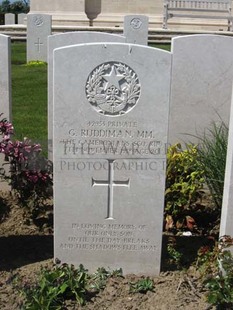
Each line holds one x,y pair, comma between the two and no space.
39,27
11,19
109,117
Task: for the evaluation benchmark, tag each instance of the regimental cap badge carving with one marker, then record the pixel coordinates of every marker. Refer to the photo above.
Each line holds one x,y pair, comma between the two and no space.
136,23
38,20
113,88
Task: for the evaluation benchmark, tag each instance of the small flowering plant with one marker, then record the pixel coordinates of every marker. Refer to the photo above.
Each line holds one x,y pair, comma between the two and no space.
30,174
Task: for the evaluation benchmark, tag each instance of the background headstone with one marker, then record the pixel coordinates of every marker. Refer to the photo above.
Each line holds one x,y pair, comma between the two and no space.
5,86
9,19
21,18
136,29
202,75
110,134
38,30
65,39
5,76
226,227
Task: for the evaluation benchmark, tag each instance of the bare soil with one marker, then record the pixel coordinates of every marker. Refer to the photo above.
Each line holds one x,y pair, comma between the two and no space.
24,249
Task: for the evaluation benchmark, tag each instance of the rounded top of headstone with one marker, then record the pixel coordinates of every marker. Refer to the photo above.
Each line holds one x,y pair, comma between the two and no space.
113,88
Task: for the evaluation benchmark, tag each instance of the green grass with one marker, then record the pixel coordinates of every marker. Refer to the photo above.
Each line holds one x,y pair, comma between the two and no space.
29,96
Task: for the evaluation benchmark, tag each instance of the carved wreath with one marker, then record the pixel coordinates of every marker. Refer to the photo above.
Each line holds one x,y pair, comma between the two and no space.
112,100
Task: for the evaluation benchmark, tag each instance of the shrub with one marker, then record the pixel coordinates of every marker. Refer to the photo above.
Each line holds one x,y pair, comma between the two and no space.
184,180
212,151
30,173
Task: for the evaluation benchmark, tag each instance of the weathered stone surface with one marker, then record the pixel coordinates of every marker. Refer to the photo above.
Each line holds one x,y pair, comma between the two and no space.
110,134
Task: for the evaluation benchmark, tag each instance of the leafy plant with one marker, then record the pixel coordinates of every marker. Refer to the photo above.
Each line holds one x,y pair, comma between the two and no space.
142,286
175,257
56,286
212,151
184,180
99,279
217,269
30,173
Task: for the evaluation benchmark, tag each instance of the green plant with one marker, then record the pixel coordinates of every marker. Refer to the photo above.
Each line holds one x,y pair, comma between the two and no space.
30,173
99,279
184,180
36,63
212,151
217,270
175,257
142,286
56,286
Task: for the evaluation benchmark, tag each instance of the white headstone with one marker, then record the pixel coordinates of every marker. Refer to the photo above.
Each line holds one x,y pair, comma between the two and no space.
202,75
136,29
110,134
5,87
9,19
38,30
65,39
5,76
226,225
22,19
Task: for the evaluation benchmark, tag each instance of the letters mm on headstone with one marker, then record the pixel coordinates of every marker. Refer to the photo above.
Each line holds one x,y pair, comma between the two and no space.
65,39
110,134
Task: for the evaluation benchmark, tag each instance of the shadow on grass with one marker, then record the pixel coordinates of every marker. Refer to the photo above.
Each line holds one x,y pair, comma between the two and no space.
17,251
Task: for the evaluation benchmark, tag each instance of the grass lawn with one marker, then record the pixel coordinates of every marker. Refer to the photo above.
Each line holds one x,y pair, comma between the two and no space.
29,96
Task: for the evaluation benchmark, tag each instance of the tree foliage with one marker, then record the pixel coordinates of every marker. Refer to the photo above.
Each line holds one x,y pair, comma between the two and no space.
19,6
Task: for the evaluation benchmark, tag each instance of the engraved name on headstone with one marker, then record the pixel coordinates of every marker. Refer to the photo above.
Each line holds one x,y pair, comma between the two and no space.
38,30
110,135
65,39
136,29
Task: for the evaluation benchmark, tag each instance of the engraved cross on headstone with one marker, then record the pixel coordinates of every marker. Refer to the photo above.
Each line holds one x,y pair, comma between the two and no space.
38,44
110,183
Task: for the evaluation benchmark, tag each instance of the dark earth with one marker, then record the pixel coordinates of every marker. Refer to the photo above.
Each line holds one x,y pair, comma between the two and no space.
24,248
